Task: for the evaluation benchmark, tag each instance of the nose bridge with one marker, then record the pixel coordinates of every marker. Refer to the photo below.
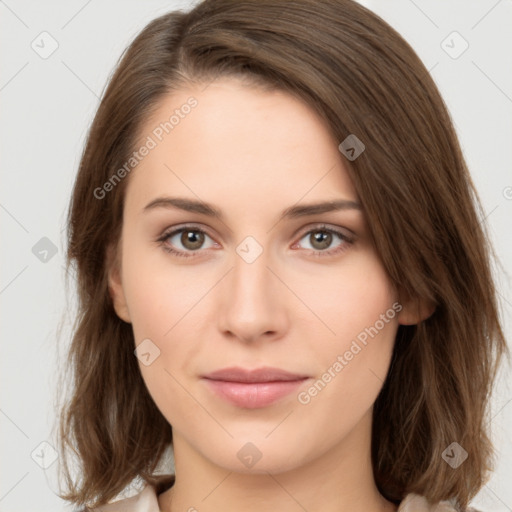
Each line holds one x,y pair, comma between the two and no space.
251,305
251,278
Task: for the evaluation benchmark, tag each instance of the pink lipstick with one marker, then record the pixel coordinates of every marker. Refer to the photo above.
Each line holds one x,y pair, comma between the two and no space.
253,389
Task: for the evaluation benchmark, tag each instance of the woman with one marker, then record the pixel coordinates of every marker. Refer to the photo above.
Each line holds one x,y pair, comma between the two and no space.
281,272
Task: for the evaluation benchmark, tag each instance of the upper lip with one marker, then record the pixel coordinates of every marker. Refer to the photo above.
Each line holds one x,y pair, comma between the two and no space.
266,374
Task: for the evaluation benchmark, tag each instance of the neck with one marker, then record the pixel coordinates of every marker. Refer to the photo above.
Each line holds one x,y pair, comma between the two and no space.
341,479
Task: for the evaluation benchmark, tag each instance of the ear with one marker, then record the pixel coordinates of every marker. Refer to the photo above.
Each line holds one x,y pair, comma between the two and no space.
115,285
415,310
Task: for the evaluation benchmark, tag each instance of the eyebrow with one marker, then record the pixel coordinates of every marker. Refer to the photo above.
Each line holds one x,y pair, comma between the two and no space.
293,212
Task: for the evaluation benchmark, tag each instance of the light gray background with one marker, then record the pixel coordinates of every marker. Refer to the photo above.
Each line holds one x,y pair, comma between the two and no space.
47,106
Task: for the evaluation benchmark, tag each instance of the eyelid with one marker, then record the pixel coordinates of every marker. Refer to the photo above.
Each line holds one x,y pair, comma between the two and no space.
187,225
328,227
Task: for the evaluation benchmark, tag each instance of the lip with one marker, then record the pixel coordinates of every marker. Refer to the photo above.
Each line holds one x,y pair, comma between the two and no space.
259,375
253,389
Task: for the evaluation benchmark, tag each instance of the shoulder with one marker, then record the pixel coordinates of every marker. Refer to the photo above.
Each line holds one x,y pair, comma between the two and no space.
144,501
147,501
416,503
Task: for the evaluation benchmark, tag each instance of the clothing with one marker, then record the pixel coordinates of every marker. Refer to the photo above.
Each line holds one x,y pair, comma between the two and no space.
147,501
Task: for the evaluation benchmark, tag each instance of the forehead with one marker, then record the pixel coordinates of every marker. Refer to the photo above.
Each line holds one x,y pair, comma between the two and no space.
228,139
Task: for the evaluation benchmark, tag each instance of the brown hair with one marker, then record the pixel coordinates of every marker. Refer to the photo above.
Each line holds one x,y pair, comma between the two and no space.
424,215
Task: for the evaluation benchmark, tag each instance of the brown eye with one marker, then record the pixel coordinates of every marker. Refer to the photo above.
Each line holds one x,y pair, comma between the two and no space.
185,241
320,239
192,239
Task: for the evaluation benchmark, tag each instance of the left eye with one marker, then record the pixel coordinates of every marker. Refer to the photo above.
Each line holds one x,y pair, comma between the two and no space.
320,239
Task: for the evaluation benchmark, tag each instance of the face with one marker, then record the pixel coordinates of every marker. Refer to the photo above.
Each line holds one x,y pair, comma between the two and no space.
253,287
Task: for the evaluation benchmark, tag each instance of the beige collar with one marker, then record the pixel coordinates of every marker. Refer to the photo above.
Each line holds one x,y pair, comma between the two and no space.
416,503
147,501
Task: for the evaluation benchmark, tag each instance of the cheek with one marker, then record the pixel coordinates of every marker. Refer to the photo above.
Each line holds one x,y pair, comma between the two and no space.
358,304
162,299
350,297
360,307
159,293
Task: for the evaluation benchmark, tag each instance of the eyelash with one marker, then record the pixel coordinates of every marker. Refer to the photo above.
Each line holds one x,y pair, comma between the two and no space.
321,228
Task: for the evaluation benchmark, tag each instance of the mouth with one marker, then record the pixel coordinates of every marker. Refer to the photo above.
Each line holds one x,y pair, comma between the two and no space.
253,389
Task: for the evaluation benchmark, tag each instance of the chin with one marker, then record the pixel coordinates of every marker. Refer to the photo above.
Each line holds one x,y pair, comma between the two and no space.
250,460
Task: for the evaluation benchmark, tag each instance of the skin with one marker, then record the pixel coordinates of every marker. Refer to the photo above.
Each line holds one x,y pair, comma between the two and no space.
252,154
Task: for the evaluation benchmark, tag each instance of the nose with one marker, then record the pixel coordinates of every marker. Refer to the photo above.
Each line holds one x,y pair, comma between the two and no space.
252,304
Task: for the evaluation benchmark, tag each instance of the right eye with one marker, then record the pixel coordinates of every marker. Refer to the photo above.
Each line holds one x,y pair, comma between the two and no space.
190,238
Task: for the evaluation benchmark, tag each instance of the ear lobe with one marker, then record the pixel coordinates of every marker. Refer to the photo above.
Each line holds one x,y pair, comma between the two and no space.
115,286
415,311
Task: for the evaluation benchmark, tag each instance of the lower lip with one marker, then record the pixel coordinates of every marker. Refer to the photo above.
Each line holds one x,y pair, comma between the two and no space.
253,395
